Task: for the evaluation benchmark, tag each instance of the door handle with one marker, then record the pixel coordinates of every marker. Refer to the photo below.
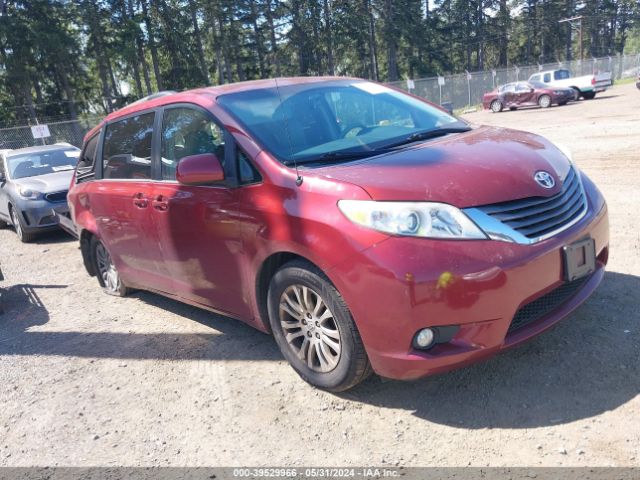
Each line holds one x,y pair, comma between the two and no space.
140,201
160,203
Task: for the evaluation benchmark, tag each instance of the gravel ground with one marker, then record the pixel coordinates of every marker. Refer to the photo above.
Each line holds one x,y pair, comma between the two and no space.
87,379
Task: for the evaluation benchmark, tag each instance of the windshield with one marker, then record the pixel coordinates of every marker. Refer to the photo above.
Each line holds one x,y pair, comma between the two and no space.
41,163
315,120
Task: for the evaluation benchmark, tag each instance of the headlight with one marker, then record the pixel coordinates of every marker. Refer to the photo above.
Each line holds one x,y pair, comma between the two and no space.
28,193
414,219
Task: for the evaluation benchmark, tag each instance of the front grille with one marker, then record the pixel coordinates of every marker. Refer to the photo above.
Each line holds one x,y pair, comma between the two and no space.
546,304
534,217
57,196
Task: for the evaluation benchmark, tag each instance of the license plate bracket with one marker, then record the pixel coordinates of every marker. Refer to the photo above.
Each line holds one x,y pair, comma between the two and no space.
579,259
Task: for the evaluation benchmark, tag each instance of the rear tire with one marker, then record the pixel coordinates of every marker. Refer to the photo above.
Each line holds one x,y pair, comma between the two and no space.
18,225
589,95
496,106
513,109
3,224
562,103
314,328
544,101
107,274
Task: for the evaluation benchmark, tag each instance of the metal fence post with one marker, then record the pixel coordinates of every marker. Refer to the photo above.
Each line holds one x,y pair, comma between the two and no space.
469,86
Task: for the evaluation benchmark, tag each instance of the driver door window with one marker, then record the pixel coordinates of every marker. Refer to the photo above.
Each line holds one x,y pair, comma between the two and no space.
187,131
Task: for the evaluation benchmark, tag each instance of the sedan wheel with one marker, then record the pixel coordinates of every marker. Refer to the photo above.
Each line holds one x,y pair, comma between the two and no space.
310,329
496,106
544,101
107,274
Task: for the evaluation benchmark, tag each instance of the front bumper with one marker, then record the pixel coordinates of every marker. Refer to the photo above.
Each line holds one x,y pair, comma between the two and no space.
401,285
39,215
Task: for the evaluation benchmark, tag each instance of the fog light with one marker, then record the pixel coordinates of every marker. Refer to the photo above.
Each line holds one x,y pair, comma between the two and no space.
424,338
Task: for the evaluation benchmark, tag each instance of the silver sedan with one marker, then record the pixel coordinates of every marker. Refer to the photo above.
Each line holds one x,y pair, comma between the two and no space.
33,186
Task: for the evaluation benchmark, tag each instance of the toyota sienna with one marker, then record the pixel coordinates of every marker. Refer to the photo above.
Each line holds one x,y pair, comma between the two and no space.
366,229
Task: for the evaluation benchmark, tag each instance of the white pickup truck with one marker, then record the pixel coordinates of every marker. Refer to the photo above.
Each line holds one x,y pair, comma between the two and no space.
585,86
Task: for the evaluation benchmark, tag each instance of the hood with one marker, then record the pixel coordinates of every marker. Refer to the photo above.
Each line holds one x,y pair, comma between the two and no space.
49,183
486,165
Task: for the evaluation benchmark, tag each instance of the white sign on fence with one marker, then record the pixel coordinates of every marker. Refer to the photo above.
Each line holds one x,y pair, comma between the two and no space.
40,131
410,84
441,81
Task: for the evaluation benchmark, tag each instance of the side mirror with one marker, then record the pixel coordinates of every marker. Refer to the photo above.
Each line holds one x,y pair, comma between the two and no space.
201,169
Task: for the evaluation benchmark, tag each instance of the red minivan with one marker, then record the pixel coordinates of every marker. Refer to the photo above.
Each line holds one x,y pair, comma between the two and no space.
366,229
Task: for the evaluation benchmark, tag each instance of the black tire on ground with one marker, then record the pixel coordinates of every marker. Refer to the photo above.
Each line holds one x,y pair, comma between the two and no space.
18,225
107,274
513,108
496,106
562,103
544,101
352,365
589,95
3,224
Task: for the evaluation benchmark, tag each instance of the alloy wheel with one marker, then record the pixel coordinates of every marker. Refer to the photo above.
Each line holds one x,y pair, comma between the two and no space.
106,269
545,101
309,328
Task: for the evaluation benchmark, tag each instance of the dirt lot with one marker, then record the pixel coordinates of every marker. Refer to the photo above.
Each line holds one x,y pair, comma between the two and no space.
87,379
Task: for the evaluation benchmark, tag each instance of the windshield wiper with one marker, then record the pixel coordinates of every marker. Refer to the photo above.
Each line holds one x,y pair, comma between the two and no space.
356,155
336,156
425,135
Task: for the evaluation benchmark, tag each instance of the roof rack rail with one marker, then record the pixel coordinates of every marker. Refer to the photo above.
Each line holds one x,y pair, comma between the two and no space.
153,96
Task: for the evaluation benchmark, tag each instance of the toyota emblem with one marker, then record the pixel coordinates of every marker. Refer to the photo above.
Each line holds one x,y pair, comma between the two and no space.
544,179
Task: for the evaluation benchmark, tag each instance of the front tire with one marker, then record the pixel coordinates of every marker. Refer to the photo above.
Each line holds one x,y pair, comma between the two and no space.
18,225
314,328
496,106
108,276
544,101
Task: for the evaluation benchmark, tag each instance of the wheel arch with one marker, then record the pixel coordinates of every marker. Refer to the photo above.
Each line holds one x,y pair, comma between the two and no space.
267,270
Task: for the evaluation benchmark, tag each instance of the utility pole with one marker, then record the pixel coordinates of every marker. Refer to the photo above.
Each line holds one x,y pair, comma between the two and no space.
578,20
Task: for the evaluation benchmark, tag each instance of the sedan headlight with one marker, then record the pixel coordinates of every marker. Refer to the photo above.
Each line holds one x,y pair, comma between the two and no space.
28,193
414,219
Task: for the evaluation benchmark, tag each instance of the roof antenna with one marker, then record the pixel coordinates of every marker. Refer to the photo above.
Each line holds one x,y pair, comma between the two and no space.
286,129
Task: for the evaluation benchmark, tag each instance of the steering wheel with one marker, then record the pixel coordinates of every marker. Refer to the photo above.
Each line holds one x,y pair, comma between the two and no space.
355,130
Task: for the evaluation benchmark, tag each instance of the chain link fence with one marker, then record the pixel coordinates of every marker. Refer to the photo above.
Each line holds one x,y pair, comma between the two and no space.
69,131
466,89
458,91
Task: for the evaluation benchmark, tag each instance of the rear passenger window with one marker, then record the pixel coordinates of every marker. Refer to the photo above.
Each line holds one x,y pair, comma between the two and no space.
127,148
86,164
547,77
187,131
